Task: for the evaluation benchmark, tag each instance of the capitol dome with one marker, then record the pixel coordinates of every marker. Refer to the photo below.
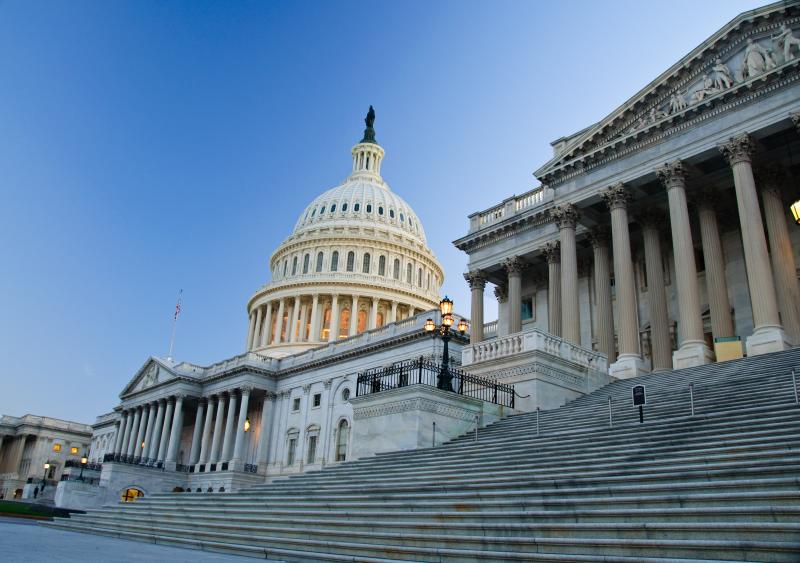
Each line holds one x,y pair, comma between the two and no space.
357,259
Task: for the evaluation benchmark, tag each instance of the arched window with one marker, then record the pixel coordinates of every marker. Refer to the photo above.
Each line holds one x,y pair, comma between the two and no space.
344,323
294,265
326,325
379,321
419,277
351,261
313,211
319,262
408,273
380,210
396,269
365,268
333,208
285,264
130,495
402,218
369,208
362,322
342,437
306,259
391,213
356,206
344,207
382,266
334,261
428,284
321,211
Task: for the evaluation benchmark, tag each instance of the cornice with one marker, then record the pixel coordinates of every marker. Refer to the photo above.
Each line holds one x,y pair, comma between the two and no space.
496,232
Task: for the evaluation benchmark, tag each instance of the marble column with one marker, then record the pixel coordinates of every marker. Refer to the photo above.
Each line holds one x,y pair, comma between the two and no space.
205,443
155,440
197,433
148,436
266,331
629,362
333,333
784,271
267,410
566,217
165,429
122,435
303,323
552,251
175,434
279,328
227,443
501,294
295,320
313,335
477,284
661,345
216,439
393,314
251,328
131,451
19,450
354,316
692,349
768,335
257,330
237,448
602,288
373,314
716,284
513,267
137,449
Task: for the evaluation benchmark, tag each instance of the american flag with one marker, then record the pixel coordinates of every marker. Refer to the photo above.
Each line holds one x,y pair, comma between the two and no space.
178,306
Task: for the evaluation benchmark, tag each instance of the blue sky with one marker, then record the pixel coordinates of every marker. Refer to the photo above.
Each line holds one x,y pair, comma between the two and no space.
147,147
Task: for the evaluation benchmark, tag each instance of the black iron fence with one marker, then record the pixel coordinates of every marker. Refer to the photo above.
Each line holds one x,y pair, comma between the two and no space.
88,467
424,372
133,460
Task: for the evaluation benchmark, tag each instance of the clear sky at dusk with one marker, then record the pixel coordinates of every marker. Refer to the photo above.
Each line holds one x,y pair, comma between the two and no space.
147,147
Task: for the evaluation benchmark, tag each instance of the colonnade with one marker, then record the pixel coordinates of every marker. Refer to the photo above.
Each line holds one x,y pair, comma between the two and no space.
318,318
772,286
150,432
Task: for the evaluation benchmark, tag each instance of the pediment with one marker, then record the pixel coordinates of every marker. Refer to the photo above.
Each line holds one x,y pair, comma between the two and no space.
153,372
747,55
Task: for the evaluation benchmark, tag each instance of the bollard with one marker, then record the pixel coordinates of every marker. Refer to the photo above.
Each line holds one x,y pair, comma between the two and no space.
610,419
794,386
691,396
537,421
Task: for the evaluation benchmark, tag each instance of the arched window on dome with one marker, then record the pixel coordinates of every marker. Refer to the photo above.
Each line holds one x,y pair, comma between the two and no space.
326,325
306,260
391,213
319,262
408,273
351,261
344,207
396,269
379,321
419,277
334,261
428,283
294,266
313,211
344,323
362,322
369,208
402,218
356,207
382,266
380,210
333,208
322,211
285,265
366,264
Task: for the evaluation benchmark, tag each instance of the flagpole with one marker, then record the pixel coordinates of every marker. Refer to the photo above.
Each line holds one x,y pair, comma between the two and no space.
174,324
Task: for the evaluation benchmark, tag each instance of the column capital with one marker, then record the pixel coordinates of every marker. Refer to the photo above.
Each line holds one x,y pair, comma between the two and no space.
672,174
375,300
652,219
770,177
598,237
795,117
738,149
617,196
246,389
476,279
565,215
552,251
514,265
501,293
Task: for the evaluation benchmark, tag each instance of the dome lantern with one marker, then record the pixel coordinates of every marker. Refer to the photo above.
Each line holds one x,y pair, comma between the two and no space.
368,154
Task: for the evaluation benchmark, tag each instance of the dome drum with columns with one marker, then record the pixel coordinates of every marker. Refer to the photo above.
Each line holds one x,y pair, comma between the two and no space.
356,260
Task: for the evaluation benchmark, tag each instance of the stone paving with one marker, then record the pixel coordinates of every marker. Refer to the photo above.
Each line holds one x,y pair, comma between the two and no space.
24,541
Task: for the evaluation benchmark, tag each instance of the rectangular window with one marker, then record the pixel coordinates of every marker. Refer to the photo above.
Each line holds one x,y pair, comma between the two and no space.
56,447
527,309
317,399
292,448
312,449
73,450
296,404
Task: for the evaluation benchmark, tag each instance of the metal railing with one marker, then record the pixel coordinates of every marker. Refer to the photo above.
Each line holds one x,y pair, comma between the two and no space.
76,463
133,460
423,372
78,479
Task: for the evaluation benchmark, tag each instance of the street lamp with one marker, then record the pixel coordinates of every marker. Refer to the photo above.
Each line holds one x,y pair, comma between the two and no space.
444,331
44,477
84,461
795,208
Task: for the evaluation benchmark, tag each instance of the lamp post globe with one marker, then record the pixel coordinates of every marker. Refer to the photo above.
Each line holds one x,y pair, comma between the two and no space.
444,331
84,461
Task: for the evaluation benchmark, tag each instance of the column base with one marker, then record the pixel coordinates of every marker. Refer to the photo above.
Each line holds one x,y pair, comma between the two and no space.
628,366
766,340
692,354
170,465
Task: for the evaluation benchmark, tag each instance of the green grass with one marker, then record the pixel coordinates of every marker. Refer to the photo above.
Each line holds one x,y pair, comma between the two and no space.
27,510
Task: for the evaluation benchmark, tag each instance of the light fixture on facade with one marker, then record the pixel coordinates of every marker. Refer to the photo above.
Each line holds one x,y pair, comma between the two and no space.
795,207
247,424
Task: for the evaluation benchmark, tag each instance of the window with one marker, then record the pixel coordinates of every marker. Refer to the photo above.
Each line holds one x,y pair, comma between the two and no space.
56,447
294,265
362,322
321,211
342,436
351,261
356,206
428,281
285,263
313,211
306,259
317,399
419,277
296,404
319,262
130,495
408,273
344,207
369,208
344,323
346,394
527,309
396,269
380,210
382,266
402,218
312,449
391,213
334,261
365,268
326,324
291,452
333,208
73,450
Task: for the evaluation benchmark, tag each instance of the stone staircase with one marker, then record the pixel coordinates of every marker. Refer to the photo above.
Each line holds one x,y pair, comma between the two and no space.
720,485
